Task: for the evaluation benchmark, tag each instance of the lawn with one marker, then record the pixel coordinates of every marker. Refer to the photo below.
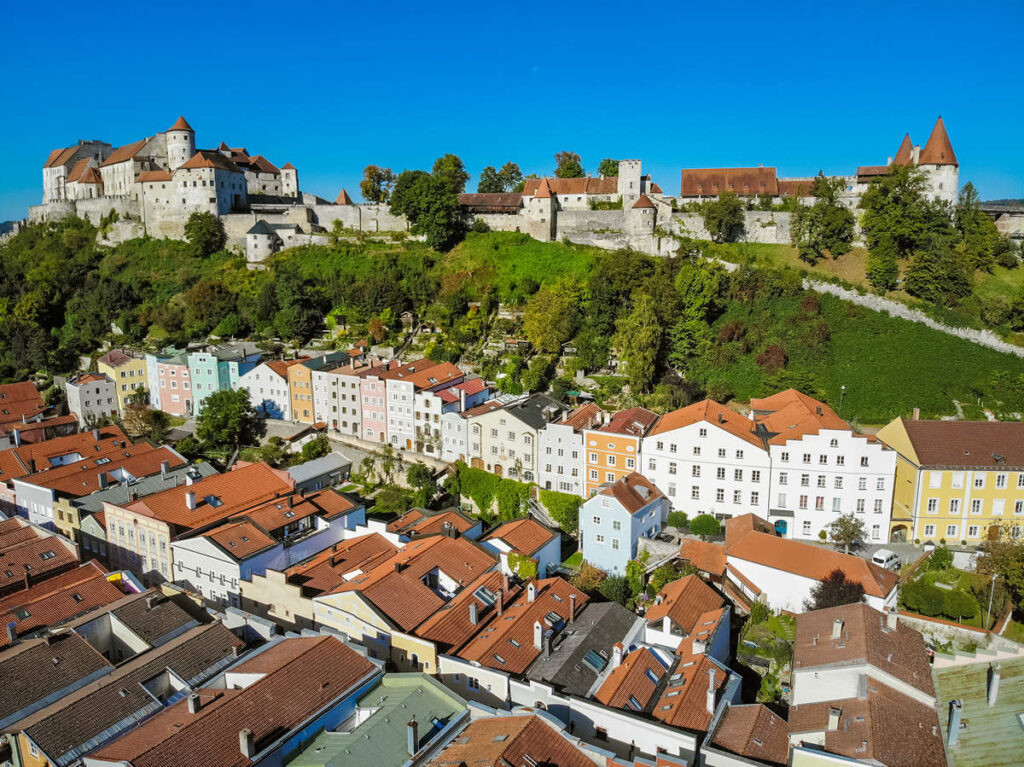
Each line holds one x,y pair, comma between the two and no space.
574,561
1015,632
849,268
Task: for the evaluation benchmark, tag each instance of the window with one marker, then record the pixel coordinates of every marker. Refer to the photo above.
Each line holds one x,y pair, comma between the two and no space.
720,472
979,481
822,480
597,520
593,457
695,493
737,475
616,525
954,506
958,480
880,483
837,504
737,496
833,443
754,498
998,505
472,683
1020,480
803,501
806,528
1000,481
695,470
972,531
630,463
823,459
784,457
878,506
611,460
929,530
696,450
598,538
782,500
860,505
1018,507
805,480
651,465
609,477
703,432
720,495
840,460
876,532
672,489
862,483
721,452
807,457
864,461
672,467
819,502
838,483
951,531
615,544
593,474
739,455
976,506
755,476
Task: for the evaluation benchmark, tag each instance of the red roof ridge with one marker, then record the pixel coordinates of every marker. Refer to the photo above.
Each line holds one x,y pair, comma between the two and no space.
938,150
181,124
287,166
543,189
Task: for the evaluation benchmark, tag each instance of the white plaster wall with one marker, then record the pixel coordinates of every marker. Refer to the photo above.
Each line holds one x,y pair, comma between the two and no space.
560,464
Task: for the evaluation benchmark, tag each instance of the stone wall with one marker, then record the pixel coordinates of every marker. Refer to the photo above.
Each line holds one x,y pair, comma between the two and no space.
369,217
758,226
577,222
122,231
98,207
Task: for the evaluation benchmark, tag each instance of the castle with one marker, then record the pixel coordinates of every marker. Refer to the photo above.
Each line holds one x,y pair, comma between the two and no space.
156,183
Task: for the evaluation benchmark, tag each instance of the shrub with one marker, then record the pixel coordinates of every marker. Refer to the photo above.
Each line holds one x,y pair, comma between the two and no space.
759,613
677,519
822,535
480,226
924,598
941,559
564,508
615,588
588,578
705,525
958,604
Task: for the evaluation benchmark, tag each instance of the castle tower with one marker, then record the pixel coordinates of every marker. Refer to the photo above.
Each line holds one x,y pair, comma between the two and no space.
181,144
289,180
541,213
630,181
642,216
907,153
938,162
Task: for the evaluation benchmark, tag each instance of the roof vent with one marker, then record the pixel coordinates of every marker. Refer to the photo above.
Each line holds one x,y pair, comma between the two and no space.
998,458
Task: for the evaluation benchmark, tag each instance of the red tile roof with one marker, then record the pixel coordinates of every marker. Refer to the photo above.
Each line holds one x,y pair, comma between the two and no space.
637,677
563,186
635,422
795,187
938,150
343,198
30,459
78,169
326,570
60,157
18,400
511,741
419,522
743,542
685,602
507,643
125,153
57,599
709,182
301,677
643,201
83,477
180,124
633,491
287,166
525,536
684,701
151,176
754,731
209,158
218,497
582,417
27,550
864,638
967,444
240,539
281,366
905,154
705,556
263,165
486,407
793,415
713,413
452,626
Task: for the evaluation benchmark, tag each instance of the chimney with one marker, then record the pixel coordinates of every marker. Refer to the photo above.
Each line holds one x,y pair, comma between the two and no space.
474,616
17,438
711,690
246,743
462,399
819,409
956,710
152,600
190,500
721,417
28,577
193,703
12,633
616,655
917,414
164,468
547,644
833,719
531,592
538,635
892,619
101,479
188,479
993,684
500,602
572,608
398,567
412,737
96,434
837,628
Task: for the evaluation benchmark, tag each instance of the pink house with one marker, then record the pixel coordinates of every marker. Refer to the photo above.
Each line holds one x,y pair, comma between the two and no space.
175,385
372,392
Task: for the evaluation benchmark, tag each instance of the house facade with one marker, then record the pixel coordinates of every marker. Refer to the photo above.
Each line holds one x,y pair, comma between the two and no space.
503,440
268,388
127,370
612,450
92,397
560,447
616,517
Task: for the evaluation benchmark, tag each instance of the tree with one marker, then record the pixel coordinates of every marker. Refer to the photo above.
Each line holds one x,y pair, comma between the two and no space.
377,183
549,319
959,605
898,216
826,226
834,590
882,270
139,421
538,374
1004,558
511,177
846,531
420,477
668,573
705,525
591,349
608,167
316,448
938,273
677,519
568,165
490,182
450,171
723,218
205,232
392,499
638,340
615,588
228,421
588,578
979,238
941,559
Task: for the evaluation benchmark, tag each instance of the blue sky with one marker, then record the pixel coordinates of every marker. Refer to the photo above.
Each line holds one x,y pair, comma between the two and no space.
803,87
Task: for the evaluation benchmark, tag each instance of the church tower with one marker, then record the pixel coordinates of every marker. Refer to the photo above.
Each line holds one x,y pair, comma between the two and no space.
938,163
181,144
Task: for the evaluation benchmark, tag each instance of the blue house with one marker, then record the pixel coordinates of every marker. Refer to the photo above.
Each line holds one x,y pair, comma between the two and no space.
616,517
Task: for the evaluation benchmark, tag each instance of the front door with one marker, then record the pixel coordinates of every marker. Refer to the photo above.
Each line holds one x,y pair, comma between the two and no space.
781,527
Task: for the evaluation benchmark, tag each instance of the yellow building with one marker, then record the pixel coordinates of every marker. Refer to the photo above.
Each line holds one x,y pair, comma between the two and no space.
128,372
300,384
612,451
958,481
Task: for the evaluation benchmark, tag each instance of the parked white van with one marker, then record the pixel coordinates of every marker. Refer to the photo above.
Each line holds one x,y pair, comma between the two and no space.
887,559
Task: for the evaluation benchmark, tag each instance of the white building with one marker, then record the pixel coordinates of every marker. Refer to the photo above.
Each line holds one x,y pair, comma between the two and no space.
267,384
820,469
525,538
413,415
560,451
92,397
708,459
504,439
614,519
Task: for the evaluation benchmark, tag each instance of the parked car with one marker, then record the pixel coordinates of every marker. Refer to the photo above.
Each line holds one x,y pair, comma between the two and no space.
887,559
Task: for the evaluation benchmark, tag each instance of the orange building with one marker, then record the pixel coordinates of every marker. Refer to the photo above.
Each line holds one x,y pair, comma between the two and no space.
300,383
612,451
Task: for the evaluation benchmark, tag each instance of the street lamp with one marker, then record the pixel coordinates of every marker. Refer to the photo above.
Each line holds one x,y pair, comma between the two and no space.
991,593
842,393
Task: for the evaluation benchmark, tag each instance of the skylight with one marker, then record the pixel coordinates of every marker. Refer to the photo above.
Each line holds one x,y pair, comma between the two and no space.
486,596
595,661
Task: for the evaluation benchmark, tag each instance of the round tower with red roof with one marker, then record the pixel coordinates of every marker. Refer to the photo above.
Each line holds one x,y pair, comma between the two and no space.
181,144
939,165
